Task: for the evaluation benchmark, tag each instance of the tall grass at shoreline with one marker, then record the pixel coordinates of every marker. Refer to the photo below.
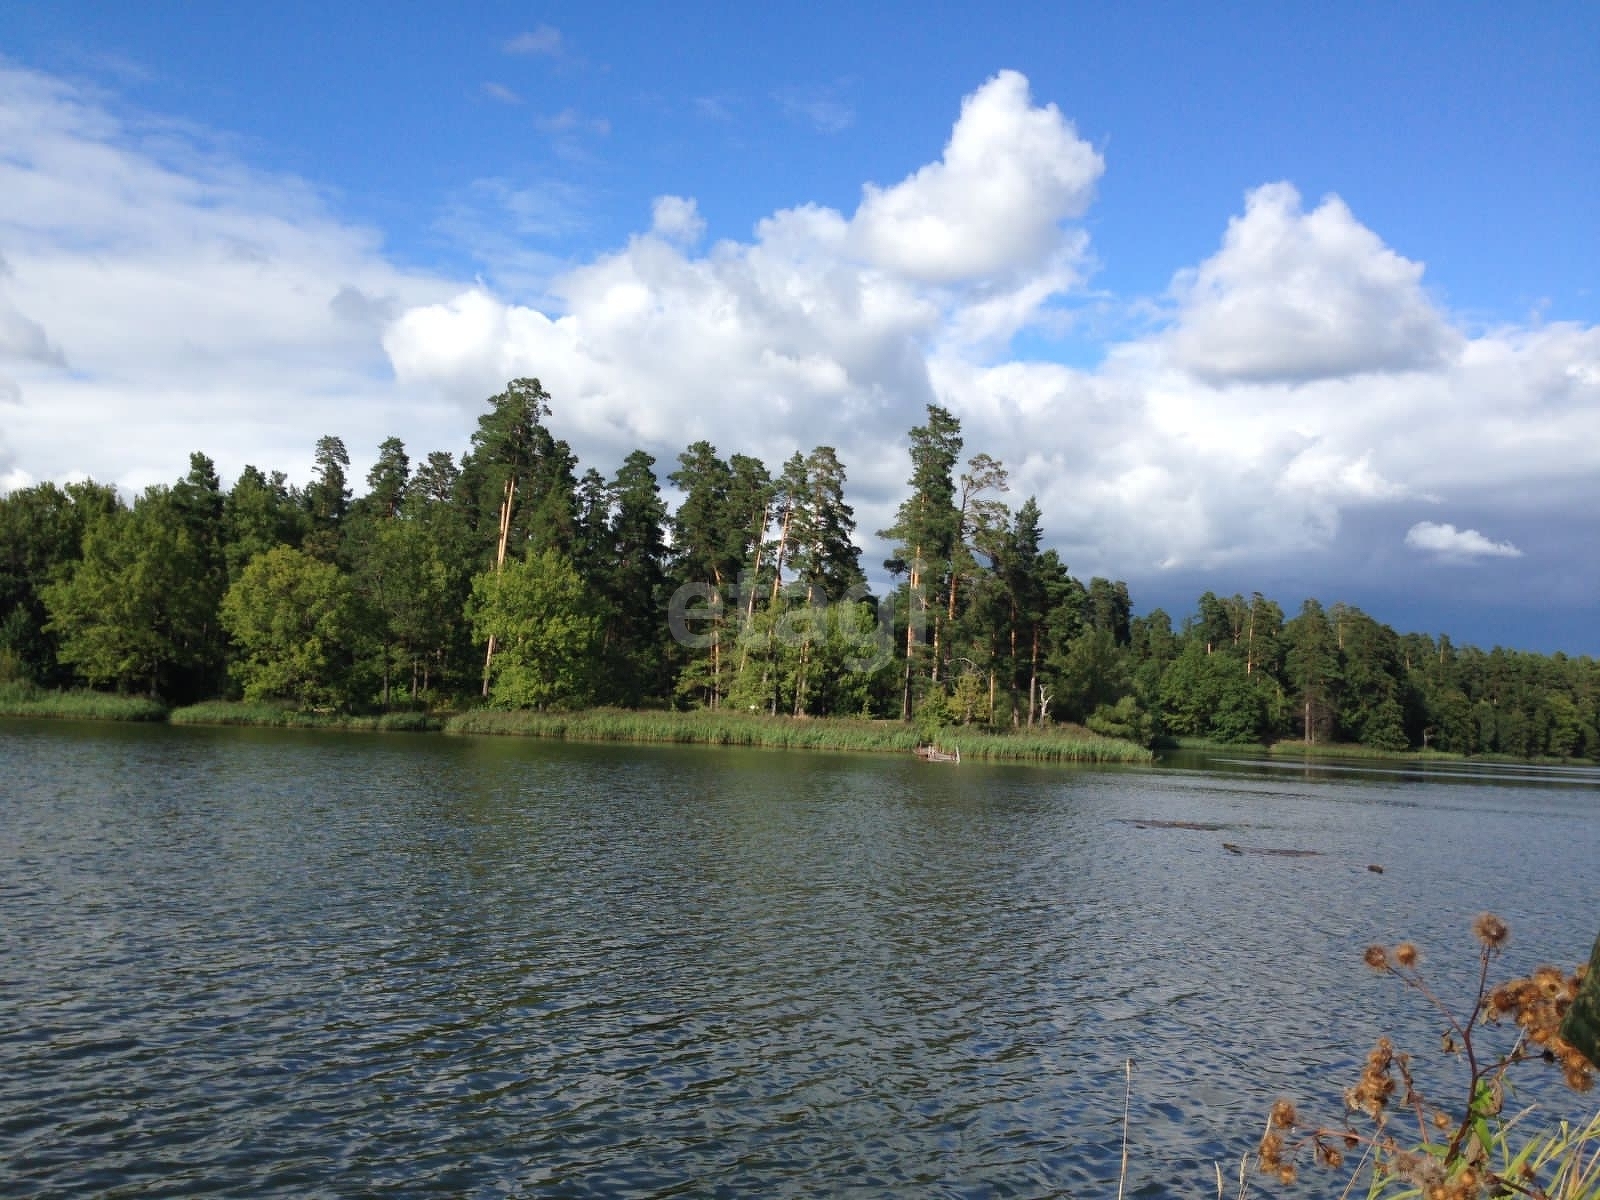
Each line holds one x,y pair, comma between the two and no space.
26,700
1288,749
840,734
1061,744
279,716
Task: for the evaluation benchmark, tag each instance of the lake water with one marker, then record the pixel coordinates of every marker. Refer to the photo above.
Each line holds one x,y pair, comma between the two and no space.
262,963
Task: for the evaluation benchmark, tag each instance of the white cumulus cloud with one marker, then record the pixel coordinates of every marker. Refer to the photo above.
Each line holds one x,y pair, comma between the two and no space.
1295,296
817,330
993,205
676,218
1447,543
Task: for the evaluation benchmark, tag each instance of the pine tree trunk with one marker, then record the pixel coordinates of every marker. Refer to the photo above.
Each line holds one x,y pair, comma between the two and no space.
499,565
1033,675
913,586
800,678
1250,642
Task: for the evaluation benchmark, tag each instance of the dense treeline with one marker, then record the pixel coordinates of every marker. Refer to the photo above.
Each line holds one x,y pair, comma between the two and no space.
507,577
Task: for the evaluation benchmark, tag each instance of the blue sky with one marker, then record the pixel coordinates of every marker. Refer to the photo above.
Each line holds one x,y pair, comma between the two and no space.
1252,296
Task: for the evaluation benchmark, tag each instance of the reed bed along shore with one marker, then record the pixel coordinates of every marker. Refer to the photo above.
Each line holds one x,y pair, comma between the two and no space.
815,733
278,716
25,700
1287,749
1058,744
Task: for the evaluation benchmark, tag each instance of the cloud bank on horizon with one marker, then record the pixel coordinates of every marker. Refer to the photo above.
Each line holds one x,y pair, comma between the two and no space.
158,296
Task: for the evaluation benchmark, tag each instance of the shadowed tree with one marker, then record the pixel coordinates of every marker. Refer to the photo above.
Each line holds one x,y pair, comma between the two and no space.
709,541
41,535
259,513
1311,666
197,503
924,534
327,499
636,583
388,479
129,613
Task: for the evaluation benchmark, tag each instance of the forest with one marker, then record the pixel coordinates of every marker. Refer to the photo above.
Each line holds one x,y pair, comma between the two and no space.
509,579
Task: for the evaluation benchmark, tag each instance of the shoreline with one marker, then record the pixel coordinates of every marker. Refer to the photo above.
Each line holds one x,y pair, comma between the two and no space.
1064,745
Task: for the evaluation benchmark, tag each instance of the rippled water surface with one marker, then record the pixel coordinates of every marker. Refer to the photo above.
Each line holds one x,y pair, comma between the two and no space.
257,963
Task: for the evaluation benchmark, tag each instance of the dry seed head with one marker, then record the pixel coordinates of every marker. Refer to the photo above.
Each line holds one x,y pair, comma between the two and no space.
1406,954
1270,1152
1490,930
1283,1115
1550,982
1377,958
1571,1057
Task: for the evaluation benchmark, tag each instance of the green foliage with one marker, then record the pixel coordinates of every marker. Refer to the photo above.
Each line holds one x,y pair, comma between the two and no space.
1092,673
925,534
546,628
136,608
1312,671
1125,719
411,589
293,620
519,478
327,499
259,513
41,536
1212,696
969,699
630,562
934,716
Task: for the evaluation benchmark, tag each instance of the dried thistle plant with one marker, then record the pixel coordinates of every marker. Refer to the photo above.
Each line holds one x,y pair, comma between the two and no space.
1470,1149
